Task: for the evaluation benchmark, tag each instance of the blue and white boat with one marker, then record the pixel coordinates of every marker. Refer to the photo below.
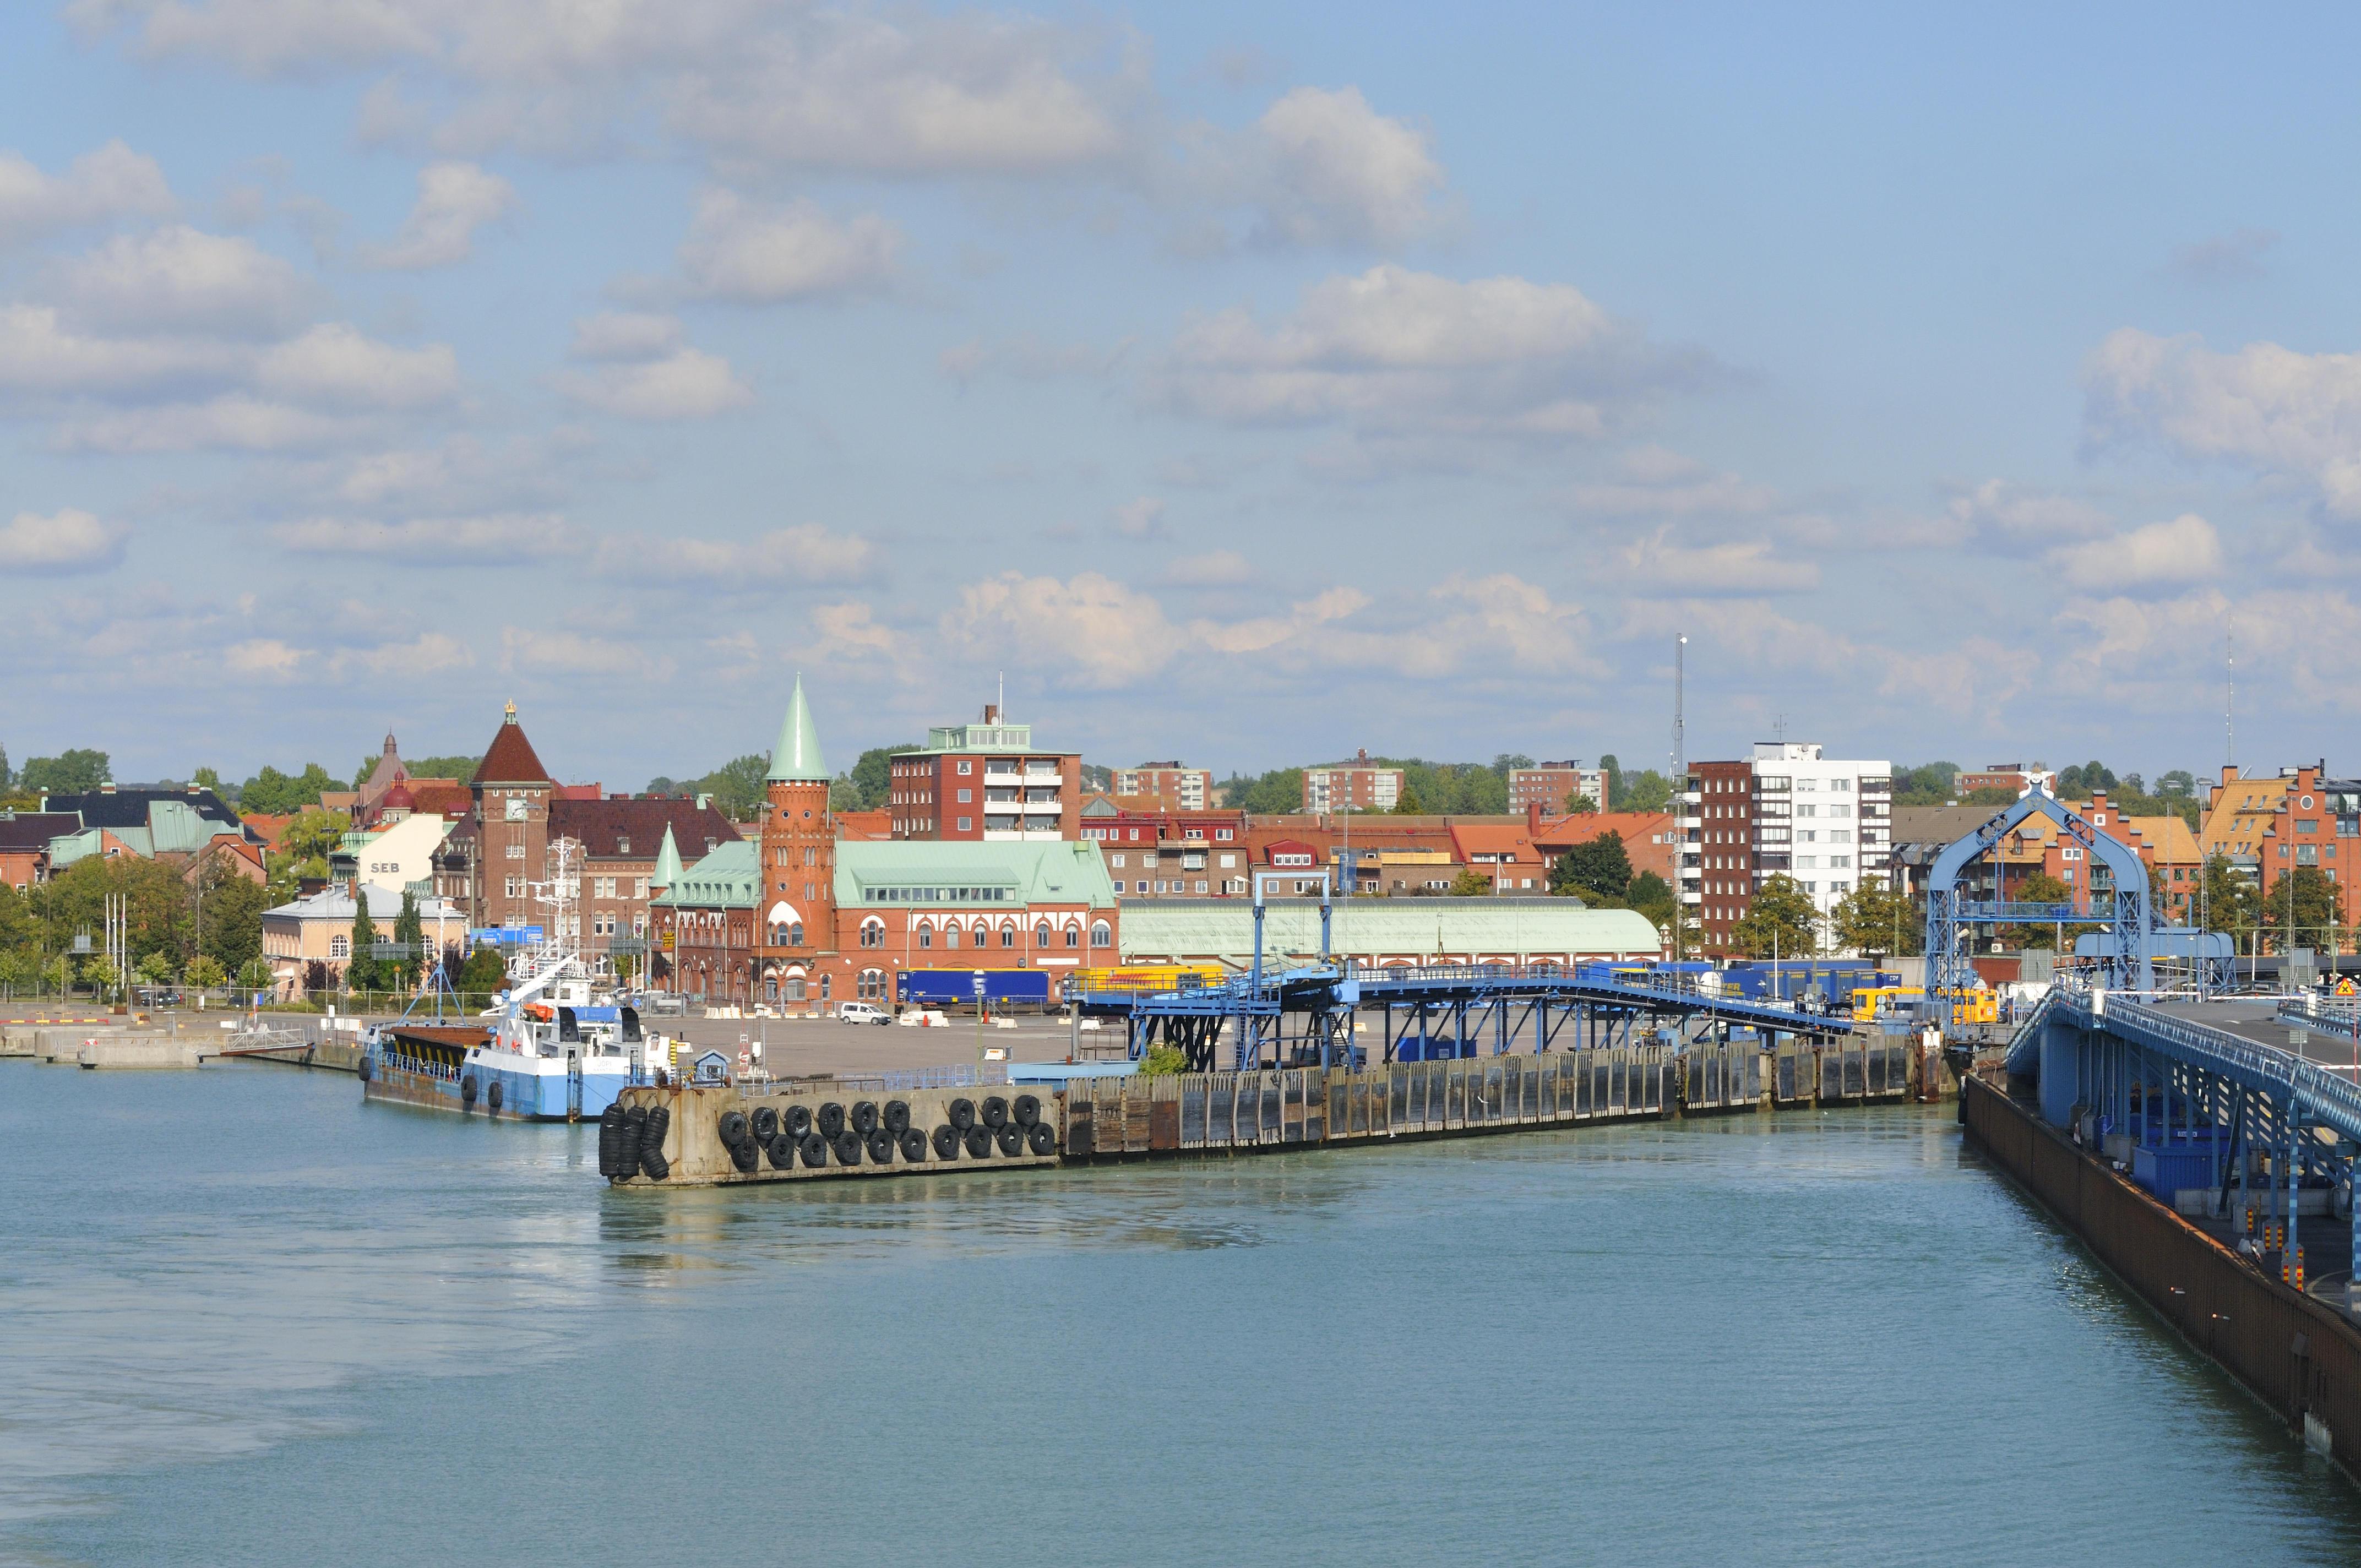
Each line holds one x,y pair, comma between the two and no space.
544,1052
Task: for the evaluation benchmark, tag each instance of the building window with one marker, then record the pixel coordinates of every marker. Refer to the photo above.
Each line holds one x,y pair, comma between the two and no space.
926,937
1041,935
966,824
872,933
1102,935
965,766
1008,935
794,987
1074,935
872,986
515,852
950,936
340,947
516,887
967,796
1117,860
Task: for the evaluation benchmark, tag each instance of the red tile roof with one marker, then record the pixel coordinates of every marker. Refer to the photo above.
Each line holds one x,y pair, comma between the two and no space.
511,758
441,799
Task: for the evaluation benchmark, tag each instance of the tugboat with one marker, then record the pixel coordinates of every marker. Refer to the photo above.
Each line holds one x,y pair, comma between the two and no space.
543,1052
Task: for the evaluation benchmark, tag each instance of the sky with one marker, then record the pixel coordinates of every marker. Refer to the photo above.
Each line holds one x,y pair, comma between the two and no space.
1245,385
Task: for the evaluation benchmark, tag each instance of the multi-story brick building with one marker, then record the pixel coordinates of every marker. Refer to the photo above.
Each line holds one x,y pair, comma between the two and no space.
1554,787
1786,811
1357,785
1156,852
986,783
1183,789
804,918
2015,777
520,813
2317,823
1649,840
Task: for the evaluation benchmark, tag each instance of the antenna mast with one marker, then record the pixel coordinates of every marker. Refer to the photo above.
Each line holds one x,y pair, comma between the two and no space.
1680,791
2229,690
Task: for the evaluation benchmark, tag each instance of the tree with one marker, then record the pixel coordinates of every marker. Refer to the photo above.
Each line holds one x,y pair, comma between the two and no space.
156,969
872,776
273,793
1873,917
1580,805
1927,785
409,929
2226,901
1470,883
2175,784
7,779
362,971
2043,888
1164,1061
2317,914
230,929
316,978
1599,870
1651,896
484,970
205,974
1407,803
1781,920
255,974
18,967
75,771
207,778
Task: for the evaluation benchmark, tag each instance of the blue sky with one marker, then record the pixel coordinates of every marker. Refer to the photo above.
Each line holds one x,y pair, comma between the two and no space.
1248,384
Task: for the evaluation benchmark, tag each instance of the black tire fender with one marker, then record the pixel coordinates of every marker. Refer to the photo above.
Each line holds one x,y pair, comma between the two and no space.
831,1120
1041,1138
765,1123
797,1122
1027,1110
782,1151
814,1149
947,1141
995,1113
897,1116
880,1147
962,1115
979,1142
468,1090
1011,1138
848,1147
914,1145
864,1116
733,1128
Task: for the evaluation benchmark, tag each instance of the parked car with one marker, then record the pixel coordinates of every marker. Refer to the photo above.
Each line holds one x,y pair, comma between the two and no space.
860,1012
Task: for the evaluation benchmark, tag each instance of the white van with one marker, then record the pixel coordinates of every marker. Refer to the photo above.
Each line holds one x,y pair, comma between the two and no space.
860,1012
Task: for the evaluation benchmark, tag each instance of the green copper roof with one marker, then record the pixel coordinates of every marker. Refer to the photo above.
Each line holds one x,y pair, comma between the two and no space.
667,871
726,879
1455,928
1008,874
797,759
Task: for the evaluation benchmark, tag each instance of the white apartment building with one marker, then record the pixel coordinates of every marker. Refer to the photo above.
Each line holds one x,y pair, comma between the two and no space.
1827,824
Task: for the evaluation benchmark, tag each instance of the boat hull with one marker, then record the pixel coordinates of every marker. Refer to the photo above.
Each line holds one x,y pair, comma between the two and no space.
524,1095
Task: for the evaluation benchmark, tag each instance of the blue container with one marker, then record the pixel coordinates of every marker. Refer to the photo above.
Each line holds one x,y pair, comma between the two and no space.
2166,1168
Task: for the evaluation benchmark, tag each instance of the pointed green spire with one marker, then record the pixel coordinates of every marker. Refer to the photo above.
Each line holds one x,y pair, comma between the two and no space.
795,759
667,871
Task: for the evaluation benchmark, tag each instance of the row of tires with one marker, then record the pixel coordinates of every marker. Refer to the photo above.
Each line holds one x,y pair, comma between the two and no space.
631,1141
871,1134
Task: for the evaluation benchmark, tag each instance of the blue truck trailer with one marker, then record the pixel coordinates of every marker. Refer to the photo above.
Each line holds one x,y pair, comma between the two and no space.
1004,989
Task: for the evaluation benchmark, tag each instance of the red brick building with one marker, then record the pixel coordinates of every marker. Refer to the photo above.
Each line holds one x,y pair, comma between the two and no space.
986,783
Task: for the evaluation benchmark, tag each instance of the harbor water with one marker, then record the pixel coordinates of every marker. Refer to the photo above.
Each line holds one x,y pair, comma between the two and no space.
246,1319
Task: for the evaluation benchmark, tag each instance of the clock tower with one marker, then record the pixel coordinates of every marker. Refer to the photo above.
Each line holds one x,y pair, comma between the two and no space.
797,896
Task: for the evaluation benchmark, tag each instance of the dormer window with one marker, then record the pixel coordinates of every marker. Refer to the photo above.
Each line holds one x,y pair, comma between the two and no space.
622,846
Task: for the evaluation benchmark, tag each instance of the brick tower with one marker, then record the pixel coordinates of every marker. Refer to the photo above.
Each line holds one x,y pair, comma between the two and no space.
798,891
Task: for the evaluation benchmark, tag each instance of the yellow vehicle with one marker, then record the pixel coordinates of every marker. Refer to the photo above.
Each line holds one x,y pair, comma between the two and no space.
1144,979
1886,1002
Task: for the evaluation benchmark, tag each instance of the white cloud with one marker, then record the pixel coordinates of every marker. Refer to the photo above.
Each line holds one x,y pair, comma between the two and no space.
1338,171
112,182
428,653
848,633
233,421
1743,567
66,541
453,201
434,541
753,255
182,280
334,363
2012,519
687,383
1394,350
39,353
1214,569
1263,634
572,654
265,658
806,552
2162,555
1096,633
1666,485
2231,257
625,334
1141,517
2270,411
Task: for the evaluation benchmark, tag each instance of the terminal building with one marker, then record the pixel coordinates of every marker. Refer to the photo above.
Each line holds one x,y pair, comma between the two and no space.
801,917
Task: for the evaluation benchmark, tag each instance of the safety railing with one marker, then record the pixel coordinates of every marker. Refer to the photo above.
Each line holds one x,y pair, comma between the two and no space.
2267,1068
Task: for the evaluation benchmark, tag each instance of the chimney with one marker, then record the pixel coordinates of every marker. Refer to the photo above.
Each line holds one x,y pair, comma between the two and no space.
1363,756
992,713
106,788
1533,818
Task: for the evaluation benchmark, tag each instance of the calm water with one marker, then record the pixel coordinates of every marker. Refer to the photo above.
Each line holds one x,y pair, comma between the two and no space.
244,1319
